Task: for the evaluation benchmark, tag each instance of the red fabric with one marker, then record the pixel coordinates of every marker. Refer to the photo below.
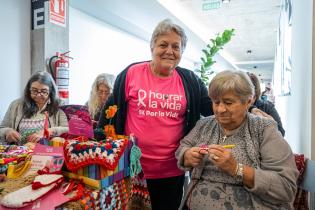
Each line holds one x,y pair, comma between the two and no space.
73,186
37,185
301,197
46,125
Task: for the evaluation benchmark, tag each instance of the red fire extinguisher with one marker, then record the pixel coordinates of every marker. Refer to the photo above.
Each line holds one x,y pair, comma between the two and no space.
59,68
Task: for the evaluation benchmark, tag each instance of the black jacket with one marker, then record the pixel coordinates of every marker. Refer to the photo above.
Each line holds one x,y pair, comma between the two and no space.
198,101
270,109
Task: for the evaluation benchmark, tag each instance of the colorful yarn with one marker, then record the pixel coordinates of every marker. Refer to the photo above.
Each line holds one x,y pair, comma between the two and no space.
135,155
135,165
80,154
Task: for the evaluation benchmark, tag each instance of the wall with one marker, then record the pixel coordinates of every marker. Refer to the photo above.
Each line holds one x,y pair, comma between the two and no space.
98,46
15,18
298,106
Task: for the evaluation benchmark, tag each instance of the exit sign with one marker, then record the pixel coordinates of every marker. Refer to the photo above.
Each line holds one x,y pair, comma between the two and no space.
212,4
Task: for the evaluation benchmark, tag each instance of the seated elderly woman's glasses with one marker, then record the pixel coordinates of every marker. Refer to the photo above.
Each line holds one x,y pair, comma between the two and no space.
42,92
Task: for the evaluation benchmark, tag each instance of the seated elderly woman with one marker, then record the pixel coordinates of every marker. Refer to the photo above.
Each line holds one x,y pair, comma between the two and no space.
27,117
238,160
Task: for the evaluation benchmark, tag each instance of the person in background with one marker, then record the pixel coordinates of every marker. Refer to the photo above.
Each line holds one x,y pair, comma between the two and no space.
264,108
27,117
238,160
159,102
101,89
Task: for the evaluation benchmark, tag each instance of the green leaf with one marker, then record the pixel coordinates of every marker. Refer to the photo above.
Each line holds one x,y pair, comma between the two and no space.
205,52
212,48
203,60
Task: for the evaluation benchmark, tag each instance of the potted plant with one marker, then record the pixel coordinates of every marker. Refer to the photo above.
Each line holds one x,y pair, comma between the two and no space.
212,48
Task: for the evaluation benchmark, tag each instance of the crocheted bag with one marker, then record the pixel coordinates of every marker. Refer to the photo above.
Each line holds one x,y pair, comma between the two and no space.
80,154
139,198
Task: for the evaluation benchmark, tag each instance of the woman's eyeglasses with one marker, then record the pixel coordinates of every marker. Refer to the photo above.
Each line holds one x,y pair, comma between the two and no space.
103,93
42,92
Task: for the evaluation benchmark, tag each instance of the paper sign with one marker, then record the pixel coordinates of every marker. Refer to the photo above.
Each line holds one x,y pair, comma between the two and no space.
57,12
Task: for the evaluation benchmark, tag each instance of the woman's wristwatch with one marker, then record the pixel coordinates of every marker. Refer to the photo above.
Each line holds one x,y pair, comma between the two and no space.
240,171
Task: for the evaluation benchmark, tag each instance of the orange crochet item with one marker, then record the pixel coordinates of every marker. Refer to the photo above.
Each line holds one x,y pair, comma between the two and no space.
110,131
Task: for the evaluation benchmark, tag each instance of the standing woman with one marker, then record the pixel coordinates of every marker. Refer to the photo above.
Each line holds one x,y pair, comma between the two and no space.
101,89
160,102
26,117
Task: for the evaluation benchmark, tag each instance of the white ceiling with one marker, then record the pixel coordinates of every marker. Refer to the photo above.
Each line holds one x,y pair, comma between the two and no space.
255,23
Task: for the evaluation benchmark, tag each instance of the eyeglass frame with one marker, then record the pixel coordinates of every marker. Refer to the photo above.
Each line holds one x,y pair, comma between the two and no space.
42,92
101,93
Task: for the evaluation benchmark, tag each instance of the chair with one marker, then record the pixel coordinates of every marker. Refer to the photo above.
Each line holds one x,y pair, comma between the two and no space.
308,182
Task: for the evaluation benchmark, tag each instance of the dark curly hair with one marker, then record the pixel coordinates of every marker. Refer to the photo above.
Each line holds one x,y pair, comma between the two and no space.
29,105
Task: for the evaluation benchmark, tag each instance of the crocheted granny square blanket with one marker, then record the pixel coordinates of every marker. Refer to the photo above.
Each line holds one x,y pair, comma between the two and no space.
80,154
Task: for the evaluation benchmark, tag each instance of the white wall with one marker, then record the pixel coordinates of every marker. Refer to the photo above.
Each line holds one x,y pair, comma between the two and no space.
99,47
298,107
15,53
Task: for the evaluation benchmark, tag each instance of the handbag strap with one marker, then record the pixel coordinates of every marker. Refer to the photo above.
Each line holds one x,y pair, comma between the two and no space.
46,125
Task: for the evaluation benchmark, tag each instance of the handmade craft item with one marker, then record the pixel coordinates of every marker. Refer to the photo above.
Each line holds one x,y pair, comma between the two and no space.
110,129
80,154
27,195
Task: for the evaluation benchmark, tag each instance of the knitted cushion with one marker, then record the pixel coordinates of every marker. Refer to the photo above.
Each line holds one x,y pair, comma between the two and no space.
80,154
26,195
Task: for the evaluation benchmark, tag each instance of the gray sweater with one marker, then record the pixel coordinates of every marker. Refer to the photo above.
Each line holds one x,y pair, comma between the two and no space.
58,123
258,144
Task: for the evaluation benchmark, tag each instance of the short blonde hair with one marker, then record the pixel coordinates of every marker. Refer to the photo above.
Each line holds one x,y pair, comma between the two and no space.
228,80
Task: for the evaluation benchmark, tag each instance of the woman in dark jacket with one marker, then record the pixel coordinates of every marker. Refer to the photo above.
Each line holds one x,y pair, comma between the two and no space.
266,108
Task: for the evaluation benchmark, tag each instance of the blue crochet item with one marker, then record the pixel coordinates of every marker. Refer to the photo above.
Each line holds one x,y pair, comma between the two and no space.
135,155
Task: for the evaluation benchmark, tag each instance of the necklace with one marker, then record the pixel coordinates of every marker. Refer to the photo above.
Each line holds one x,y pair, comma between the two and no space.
224,138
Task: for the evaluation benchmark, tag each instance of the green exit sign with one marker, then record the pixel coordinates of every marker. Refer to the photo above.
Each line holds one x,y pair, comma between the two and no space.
209,5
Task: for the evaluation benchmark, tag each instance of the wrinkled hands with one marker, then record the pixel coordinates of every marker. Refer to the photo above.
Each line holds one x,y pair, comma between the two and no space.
222,158
218,155
193,156
12,136
35,137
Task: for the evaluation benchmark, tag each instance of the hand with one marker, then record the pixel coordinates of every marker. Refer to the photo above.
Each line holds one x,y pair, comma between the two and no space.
12,136
222,158
261,113
35,137
193,156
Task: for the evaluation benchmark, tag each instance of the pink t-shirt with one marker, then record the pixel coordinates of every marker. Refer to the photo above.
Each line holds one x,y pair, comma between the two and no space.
155,114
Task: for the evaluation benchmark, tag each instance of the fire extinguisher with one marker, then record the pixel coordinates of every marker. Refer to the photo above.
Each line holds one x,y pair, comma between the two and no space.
59,69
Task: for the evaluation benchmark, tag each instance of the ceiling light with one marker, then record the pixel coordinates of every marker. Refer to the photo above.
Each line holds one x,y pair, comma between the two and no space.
225,1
